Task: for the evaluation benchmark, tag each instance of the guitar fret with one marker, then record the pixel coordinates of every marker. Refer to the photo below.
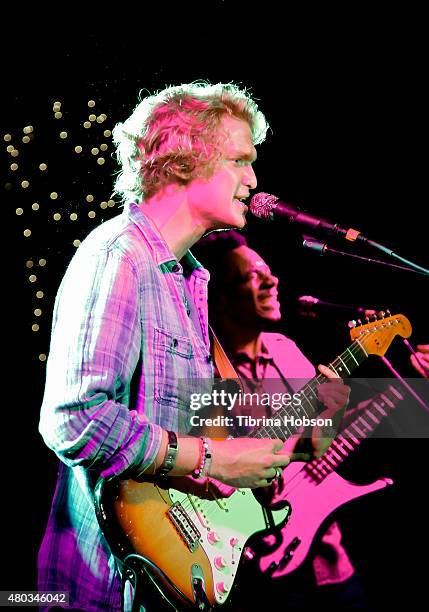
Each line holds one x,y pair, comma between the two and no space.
333,368
313,471
379,408
351,436
360,345
324,467
345,442
356,428
348,371
365,424
331,460
372,416
387,400
394,391
333,452
339,447
357,362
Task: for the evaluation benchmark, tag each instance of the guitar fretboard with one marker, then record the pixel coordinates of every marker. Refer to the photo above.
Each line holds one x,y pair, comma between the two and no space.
349,439
310,406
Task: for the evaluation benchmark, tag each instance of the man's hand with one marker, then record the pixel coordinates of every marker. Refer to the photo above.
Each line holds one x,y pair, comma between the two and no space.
248,462
334,394
421,363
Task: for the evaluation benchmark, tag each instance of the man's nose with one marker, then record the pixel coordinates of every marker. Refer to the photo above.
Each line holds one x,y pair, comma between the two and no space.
269,279
249,178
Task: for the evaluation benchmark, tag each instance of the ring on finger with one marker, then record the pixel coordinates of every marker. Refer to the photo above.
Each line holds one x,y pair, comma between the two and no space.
279,473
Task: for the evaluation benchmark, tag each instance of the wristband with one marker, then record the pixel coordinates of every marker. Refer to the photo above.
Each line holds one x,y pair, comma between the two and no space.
170,455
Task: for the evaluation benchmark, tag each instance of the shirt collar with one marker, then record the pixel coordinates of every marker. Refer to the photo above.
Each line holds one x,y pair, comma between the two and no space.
163,255
244,357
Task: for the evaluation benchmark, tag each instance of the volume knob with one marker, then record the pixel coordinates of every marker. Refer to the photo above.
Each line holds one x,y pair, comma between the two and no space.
220,563
221,588
213,537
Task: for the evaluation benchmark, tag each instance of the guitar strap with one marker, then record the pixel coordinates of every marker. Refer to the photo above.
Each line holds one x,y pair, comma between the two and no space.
223,364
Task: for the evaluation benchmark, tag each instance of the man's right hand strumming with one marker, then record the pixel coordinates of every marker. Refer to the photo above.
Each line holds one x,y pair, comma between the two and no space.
247,462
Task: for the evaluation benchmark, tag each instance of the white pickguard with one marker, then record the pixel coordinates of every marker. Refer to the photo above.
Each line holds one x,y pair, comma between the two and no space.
225,525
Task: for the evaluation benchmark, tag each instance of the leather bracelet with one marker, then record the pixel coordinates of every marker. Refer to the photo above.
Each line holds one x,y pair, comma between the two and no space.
170,455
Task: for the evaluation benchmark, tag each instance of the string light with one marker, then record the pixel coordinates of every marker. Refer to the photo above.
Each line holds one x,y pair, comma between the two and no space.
31,188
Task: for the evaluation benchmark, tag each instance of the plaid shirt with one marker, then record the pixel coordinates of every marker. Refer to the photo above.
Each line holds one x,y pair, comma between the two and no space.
125,355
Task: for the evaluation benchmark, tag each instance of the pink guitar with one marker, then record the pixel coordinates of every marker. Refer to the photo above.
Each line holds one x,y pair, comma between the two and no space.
314,490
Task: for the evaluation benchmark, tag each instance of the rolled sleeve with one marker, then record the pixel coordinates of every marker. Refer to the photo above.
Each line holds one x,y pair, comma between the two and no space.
95,347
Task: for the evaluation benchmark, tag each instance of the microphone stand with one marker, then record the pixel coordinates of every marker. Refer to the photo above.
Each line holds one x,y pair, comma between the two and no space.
405,384
323,249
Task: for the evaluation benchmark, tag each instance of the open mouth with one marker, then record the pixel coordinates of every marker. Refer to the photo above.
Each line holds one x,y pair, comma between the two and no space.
270,299
241,204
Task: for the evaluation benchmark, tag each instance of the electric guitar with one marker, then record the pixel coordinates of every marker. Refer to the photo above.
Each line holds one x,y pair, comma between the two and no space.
189,542
314,490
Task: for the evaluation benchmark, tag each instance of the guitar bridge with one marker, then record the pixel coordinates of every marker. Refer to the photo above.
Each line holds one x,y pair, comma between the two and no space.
184,525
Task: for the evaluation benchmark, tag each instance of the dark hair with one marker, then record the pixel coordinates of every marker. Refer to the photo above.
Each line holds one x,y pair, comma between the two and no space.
212,251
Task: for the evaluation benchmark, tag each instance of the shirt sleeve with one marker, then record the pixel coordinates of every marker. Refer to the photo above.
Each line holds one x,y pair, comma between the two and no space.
95,348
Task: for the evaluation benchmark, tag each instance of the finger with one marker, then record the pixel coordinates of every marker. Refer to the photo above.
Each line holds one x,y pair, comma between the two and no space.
289,445
281,460
327,371
270,473
261,483
300,457
277,446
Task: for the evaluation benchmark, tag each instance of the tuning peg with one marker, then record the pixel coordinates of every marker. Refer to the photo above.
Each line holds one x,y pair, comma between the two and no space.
359,322
381,314
352,324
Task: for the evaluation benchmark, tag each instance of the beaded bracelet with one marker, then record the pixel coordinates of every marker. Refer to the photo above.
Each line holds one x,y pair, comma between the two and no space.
202,470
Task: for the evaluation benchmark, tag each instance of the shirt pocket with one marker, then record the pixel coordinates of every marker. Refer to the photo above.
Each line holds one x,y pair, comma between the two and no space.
175,369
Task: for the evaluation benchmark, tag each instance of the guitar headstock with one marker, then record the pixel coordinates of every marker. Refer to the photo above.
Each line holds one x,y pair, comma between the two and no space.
375,336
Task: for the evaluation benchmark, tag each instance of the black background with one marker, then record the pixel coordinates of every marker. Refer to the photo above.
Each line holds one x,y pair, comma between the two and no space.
345,100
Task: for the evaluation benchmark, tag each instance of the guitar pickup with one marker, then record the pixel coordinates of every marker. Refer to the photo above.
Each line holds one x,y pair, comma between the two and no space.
288,554
184,525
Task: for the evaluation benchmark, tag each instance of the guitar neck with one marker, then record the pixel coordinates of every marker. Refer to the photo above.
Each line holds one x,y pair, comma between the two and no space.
309,405
360,428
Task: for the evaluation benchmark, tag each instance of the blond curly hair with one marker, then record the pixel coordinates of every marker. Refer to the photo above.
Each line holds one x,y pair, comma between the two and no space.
174,136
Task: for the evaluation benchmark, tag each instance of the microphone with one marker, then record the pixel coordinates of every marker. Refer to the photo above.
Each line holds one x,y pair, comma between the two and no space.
309,302
269,207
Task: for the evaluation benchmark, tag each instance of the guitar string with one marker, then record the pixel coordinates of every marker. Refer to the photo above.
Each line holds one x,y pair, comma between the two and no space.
354,350
305,473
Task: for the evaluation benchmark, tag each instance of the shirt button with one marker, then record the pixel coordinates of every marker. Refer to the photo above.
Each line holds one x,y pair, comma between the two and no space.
175,268
209,358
